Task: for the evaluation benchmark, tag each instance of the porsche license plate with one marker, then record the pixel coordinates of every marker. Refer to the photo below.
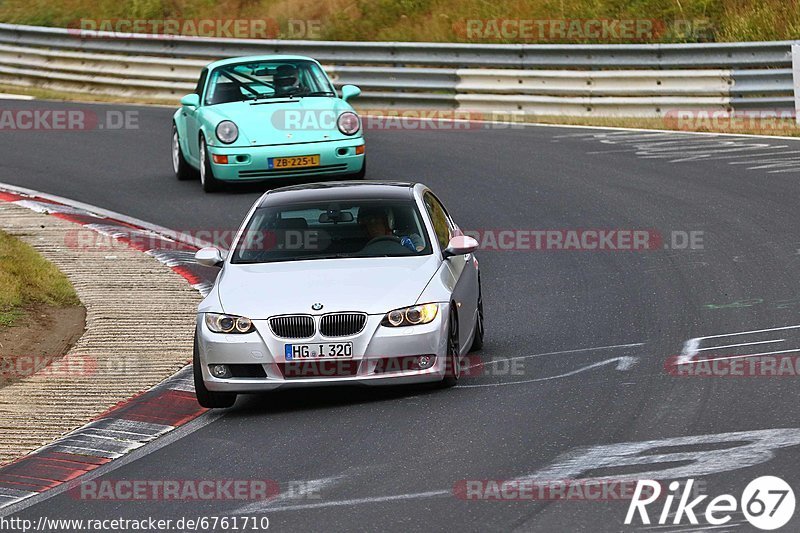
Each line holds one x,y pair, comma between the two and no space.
298,161
315,352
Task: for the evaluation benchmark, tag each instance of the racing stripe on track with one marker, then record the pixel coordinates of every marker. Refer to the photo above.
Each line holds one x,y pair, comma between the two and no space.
132,423
125,427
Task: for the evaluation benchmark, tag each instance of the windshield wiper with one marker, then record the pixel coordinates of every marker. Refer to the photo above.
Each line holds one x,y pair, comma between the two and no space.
271,100
317,93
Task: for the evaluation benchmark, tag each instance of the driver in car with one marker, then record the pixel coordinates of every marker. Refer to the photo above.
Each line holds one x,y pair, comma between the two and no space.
287,81
375,221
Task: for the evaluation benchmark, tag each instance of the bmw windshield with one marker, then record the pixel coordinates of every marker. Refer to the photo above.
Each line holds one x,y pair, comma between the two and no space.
332,230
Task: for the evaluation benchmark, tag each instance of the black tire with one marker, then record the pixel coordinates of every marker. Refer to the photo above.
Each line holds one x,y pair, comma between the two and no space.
183,170
477,340
205,397
207,179
453,369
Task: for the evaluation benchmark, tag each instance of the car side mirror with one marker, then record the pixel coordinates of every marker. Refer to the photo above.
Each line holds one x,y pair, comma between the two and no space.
350,91
190,100
460,245
210,257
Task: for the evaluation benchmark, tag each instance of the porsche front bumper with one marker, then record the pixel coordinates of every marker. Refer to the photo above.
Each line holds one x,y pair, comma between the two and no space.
251,163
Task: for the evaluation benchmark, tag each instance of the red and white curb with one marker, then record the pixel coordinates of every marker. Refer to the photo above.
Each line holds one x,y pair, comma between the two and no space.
132,423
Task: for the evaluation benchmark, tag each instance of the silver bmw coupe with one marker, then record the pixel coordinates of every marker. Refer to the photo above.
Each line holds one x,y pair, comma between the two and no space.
338,283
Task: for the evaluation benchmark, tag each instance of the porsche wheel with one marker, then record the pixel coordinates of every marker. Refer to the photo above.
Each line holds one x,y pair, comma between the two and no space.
207,179
183,171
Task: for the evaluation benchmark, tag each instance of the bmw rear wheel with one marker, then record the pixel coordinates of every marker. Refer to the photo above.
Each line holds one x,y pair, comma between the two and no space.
477,340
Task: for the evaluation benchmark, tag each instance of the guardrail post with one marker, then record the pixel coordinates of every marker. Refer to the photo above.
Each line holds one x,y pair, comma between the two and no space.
796,79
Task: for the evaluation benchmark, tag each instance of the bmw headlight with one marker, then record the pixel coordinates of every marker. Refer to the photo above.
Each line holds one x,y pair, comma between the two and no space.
349,123
411,316
228,323
227,132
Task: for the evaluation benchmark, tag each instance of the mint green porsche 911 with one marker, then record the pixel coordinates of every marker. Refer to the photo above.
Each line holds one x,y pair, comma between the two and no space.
261,117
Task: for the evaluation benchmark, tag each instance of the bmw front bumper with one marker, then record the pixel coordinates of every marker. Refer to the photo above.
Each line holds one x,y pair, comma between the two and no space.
251,163
375,348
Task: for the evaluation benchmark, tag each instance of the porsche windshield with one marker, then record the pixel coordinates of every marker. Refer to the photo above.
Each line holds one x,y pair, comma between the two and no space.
325,230
265,80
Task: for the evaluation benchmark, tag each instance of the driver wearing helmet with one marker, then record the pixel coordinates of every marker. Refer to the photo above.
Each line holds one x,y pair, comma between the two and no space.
376,223
287,81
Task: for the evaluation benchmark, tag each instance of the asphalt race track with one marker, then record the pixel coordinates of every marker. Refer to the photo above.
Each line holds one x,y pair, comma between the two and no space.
590,332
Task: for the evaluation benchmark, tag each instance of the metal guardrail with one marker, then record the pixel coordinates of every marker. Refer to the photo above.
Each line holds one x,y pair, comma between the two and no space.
632,80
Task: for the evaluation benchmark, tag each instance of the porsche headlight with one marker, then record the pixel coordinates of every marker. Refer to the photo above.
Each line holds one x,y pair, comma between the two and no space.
228,323
348,123
227,132
411,316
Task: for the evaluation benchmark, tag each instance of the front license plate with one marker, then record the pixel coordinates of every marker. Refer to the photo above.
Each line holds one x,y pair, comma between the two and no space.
298,161
308,352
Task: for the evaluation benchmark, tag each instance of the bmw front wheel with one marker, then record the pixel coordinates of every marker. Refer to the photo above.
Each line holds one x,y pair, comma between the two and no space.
205,397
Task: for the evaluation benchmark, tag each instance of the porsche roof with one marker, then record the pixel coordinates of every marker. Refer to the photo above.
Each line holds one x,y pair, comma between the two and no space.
256,59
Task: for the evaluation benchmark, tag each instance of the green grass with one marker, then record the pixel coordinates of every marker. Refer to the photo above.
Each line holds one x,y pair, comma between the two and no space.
7,318
437,20
26,278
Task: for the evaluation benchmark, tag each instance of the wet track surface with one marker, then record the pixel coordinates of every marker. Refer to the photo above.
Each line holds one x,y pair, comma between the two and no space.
590,331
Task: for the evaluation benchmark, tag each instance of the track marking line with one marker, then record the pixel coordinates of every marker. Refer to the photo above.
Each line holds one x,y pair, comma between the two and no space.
359,501
624,362
9,96
782,328
692,346
309,486
793,350
209,417
563,352
738,345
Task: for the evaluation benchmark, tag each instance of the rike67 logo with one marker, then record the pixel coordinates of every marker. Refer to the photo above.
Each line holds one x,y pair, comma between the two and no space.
767,503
